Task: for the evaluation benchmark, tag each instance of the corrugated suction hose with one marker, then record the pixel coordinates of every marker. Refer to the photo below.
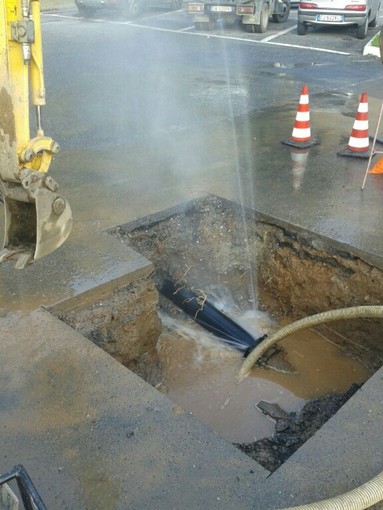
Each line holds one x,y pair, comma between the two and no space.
360,498
371,492
307,322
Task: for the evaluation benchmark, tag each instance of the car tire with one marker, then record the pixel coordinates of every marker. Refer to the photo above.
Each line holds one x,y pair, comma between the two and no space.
131,9
86,12
374,21
281,18
361,31
301,28
265,13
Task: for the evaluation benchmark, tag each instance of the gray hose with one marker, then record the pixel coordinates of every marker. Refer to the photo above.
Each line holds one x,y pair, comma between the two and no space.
313,320
372,491
360,498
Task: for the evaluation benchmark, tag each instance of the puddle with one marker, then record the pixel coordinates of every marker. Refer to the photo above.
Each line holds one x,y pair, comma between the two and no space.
199,374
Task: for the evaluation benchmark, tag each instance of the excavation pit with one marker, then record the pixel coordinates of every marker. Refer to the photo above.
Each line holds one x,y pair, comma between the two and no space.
263,273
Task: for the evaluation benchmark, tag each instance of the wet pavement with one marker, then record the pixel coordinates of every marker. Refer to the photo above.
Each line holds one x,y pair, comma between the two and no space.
64,402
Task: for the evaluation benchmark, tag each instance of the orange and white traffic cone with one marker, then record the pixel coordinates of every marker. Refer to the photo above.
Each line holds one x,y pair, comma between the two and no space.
359,142
301,136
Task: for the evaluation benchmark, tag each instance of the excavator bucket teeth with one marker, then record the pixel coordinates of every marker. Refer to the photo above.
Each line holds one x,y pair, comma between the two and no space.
35,228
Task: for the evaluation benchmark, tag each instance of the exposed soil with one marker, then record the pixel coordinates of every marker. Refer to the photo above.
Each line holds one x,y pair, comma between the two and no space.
124,323
293,429
213,243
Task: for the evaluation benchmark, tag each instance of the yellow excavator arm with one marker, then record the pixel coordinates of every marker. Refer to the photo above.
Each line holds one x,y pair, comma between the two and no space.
37,218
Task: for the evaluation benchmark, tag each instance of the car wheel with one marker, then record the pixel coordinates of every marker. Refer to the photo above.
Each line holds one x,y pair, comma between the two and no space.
374,21
262,27
87,12
301,28
131,9
361,31
281,18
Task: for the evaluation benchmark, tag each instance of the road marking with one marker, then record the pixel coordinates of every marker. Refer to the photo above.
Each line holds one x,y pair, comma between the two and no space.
312,48
187,28
242,39
271,37
266,40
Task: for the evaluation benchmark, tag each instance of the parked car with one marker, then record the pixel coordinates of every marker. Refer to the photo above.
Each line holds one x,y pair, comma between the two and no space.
128,8
361,13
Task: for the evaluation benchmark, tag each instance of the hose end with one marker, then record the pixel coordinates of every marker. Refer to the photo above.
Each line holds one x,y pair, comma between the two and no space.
252,347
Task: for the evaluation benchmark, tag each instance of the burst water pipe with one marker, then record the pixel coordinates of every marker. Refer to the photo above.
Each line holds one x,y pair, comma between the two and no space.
371,492
207,315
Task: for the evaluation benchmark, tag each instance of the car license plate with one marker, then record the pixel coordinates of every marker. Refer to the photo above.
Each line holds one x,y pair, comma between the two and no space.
221,8
330,17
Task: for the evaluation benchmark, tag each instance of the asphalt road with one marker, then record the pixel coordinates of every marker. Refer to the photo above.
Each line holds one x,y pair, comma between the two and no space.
151,113
331,39
159,75
162,111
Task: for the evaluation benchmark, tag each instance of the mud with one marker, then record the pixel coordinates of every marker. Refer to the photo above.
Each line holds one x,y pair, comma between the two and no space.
199,374
294,429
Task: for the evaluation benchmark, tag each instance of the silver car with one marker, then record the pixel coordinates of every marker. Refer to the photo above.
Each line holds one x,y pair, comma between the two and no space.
361,13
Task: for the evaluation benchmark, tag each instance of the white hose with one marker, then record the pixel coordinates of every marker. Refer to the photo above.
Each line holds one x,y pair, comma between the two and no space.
360,498
371,492
312,320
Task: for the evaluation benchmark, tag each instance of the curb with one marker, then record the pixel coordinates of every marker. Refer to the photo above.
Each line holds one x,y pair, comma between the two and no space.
369,49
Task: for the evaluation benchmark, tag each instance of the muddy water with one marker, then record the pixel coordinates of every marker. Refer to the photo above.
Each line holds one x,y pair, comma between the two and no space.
200,376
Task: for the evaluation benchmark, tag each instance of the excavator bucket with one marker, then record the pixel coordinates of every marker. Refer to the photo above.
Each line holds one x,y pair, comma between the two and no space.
37,220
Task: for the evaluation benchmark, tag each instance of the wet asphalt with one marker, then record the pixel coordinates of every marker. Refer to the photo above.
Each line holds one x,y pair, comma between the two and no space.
147,119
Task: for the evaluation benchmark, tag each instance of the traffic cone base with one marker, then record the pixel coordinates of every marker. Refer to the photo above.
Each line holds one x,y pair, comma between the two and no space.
355,154
301,145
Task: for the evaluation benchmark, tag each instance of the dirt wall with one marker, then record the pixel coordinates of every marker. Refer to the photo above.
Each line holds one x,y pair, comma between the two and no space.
124,323
299,275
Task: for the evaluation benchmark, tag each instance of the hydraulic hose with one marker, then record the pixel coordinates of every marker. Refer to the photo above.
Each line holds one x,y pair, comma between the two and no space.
360,498
312,320
371,492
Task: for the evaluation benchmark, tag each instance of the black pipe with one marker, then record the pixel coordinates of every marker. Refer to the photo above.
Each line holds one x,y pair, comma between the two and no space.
209,317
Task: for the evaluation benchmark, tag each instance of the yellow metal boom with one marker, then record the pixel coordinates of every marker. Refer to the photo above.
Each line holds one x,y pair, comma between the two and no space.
37,218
